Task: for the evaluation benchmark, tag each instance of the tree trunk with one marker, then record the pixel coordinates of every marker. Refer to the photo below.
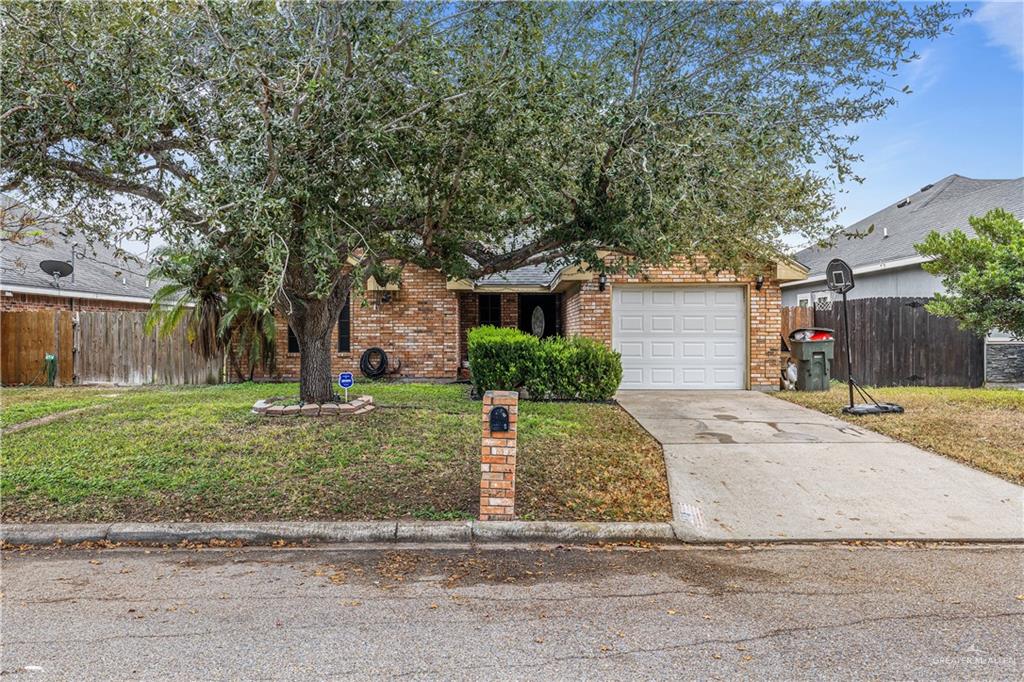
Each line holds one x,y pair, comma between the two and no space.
315,376
312,321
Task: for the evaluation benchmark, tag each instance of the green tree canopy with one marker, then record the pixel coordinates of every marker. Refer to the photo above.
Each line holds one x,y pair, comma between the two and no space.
983,275
293,149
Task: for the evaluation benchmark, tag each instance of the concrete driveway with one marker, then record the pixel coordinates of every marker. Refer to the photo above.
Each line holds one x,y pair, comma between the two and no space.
746,466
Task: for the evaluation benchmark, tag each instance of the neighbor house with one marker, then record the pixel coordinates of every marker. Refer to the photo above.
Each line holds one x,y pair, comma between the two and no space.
886,265
676,328
101,279
90,322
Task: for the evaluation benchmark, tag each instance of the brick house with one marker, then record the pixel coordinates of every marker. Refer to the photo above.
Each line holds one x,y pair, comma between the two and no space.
675,327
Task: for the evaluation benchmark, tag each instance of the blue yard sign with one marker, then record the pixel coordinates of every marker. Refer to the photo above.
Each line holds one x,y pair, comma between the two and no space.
345,380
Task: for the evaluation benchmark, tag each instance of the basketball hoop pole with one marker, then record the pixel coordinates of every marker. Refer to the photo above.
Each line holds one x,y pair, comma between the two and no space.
849,352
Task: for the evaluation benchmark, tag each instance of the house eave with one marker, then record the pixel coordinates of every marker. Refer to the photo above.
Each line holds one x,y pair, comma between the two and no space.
68,293
867,269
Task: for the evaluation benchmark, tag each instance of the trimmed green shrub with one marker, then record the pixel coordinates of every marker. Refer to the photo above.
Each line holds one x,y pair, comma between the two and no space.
555,368
501,359
587,370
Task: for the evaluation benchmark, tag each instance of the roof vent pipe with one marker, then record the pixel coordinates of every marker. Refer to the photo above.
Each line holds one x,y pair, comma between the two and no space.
885,232
926,188
903,203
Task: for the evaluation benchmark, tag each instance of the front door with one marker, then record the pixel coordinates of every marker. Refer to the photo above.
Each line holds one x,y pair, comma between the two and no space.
538,314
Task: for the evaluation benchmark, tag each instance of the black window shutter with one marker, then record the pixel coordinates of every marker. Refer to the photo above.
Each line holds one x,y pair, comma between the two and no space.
345,329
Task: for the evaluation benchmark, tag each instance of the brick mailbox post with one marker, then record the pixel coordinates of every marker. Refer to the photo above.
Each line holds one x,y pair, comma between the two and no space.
498,456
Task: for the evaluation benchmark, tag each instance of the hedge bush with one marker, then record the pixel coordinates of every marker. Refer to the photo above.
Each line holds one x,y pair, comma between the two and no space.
501,359
507,359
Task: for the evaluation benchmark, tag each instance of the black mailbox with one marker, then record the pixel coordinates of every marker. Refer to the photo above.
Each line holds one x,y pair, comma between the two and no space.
499,418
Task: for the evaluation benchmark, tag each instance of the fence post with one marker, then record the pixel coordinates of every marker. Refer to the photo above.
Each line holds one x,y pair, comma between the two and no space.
498,459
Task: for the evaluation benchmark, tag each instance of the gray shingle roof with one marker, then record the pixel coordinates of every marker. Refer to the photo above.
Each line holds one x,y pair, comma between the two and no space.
100,271
945,206
531,275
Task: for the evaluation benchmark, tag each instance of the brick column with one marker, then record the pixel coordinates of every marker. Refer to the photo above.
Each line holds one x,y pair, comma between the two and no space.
498,460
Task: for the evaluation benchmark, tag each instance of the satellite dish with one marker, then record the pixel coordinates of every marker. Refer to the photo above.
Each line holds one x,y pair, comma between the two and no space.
56,269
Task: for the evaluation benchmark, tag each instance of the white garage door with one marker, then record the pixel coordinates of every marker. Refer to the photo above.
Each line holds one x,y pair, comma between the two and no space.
680,337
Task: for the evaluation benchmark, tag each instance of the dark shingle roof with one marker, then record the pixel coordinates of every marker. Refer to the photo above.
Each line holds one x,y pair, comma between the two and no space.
100,272
944,206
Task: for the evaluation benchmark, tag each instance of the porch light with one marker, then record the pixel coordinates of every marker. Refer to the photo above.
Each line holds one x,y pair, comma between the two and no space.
759,282
602,281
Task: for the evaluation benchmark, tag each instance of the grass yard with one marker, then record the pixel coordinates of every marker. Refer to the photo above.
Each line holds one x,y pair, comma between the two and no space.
981,427
198,454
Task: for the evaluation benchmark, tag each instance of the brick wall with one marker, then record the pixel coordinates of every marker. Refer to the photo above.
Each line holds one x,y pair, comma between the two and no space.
419,326
510,310
22,301
469,317
588,312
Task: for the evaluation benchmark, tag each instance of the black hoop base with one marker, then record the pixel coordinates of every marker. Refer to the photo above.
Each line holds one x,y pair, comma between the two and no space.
879,408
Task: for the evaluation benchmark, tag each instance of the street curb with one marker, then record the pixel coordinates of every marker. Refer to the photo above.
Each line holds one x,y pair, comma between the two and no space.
407,531
337,532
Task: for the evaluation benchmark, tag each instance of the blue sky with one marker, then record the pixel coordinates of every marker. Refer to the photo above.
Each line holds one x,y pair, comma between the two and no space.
965,115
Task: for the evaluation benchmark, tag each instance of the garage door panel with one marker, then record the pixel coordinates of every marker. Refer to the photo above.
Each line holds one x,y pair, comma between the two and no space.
695,296
728,297
663,376
725,323
663,349
694,324
663,297
728,350
631,296
632,349
631,323
680,337
662,323
694,378
632,377
695,350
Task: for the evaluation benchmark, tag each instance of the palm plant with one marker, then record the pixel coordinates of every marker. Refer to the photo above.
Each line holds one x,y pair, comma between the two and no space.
219,316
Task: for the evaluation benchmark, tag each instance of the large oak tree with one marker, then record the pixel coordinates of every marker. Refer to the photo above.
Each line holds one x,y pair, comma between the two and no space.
294,149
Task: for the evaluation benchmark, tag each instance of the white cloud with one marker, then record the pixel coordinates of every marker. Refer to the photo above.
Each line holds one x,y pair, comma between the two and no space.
1004,24
924,72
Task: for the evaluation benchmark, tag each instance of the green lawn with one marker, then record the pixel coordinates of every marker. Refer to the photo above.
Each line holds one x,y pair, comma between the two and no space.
982,427
197,453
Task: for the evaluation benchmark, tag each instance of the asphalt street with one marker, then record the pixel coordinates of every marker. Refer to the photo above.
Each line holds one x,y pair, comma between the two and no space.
501,612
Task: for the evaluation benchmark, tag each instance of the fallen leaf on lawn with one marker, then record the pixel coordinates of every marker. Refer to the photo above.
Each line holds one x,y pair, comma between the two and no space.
1020,597
605,647
433,606
671,612
716,656
539,640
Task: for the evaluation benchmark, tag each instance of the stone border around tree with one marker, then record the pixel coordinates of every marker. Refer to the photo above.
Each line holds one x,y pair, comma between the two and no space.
274,407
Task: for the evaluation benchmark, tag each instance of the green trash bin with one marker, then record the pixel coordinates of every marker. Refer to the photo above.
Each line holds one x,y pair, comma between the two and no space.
812,350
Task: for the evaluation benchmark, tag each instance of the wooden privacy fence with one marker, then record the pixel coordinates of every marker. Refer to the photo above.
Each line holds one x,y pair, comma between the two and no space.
26,337
896,342
796,317
98,347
